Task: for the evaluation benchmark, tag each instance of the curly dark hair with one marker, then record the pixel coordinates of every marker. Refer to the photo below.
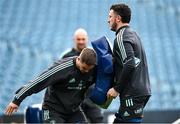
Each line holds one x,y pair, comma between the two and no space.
123,10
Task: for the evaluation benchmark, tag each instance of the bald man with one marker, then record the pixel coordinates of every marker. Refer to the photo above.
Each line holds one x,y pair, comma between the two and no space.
80,40
92,111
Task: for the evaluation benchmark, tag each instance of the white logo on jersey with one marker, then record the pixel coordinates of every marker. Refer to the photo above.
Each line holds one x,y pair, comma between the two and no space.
72,80
126,113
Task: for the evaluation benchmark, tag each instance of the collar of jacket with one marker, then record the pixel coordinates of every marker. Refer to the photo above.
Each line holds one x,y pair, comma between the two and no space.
121,28
75,50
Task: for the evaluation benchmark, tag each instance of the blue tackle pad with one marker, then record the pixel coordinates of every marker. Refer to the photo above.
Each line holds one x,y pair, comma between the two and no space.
104,70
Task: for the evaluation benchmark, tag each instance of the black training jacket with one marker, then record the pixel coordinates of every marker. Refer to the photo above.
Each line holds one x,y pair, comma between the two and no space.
65,85
74,52
130,65
71,53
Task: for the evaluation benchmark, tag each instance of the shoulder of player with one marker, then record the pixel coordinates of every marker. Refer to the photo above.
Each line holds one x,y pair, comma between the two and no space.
66,62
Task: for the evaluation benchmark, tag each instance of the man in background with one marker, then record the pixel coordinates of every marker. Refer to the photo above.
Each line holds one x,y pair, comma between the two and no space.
92,111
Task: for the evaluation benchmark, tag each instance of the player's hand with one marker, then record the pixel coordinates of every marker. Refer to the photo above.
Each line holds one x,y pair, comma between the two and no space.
112,93
11,108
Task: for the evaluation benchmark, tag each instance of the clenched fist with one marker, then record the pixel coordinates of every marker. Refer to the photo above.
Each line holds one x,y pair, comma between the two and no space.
112,93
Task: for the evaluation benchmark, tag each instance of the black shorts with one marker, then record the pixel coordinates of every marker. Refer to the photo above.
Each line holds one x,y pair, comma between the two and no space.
131,108
50,116
92,111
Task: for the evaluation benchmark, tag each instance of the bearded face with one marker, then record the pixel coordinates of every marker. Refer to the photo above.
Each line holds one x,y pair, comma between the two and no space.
112,20
113,26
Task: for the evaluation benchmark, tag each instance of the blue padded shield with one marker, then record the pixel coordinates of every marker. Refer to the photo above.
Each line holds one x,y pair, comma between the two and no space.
33,114
104,70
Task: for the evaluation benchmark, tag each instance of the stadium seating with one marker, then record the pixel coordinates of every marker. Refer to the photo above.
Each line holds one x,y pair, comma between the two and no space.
35,32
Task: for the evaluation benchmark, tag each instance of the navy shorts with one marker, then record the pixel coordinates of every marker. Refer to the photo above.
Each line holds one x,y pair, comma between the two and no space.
131,109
